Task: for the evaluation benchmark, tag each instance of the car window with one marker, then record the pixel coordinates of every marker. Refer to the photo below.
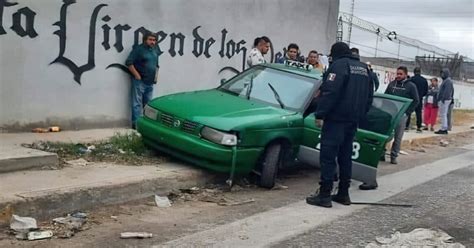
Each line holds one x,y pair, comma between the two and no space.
257,83
381,114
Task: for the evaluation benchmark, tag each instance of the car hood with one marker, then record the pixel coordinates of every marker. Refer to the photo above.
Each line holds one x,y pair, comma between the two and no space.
218,109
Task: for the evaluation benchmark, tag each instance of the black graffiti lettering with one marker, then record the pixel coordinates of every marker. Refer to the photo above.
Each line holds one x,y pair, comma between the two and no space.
106,29
119,36
62,34
139,34
29,28
243,50
272,51
230,49
222,51
209,43
198,43
172,49
3,4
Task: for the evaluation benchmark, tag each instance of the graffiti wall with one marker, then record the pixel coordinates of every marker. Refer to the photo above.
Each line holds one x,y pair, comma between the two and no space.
61,61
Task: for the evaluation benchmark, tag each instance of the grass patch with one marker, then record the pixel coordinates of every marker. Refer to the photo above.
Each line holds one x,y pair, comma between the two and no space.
127,148
463,116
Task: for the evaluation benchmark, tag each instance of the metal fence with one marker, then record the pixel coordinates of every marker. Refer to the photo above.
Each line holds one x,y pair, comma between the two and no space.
374,41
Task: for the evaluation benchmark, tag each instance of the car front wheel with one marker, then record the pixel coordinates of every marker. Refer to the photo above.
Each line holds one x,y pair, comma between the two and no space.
269,165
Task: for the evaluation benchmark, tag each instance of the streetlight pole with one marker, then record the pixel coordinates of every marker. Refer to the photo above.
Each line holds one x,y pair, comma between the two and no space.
350,23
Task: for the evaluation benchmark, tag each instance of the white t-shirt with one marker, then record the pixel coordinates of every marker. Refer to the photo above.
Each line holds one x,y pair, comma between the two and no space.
255,57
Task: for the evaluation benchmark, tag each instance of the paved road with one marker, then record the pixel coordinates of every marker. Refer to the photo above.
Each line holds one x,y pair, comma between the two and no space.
440,183
446,203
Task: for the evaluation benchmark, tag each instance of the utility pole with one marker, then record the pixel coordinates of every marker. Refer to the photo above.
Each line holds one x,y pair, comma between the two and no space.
339,33
398,53
376,45
350,22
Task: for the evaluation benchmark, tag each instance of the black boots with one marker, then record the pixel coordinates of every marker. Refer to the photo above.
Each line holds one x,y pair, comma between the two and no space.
323,197
342,195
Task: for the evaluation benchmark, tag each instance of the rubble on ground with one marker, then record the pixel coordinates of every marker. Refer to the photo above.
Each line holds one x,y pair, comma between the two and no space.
419,237
213,194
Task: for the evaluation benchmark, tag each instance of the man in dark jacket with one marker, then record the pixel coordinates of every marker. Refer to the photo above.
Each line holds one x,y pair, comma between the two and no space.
403,87
345,97
422,88
445,97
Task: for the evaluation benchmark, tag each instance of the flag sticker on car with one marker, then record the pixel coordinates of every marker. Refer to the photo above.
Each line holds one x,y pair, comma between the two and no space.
332,76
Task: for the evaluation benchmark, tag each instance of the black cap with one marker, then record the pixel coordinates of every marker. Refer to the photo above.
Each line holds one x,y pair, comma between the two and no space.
339,49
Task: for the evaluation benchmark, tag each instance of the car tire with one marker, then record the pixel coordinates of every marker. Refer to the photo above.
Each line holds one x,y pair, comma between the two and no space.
269,165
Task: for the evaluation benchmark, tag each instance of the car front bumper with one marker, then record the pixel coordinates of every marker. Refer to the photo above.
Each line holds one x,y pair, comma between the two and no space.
194,149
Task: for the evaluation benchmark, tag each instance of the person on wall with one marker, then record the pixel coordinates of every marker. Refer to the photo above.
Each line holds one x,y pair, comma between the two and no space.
261,47
143,64
313,60
292,53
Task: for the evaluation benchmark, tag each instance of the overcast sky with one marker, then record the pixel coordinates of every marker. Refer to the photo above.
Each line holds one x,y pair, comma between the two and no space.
448,24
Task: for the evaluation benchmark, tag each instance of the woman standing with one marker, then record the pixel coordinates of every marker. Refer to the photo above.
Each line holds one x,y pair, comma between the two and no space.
431,105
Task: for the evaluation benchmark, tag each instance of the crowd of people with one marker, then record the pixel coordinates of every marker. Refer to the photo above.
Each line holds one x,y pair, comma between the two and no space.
430,102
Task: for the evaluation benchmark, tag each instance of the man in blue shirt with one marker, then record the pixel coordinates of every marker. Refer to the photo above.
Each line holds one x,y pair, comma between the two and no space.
143,65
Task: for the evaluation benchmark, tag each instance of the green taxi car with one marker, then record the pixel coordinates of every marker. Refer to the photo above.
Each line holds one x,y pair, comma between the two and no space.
256,122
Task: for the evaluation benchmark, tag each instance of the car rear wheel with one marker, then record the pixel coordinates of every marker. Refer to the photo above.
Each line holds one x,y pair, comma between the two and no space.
269,165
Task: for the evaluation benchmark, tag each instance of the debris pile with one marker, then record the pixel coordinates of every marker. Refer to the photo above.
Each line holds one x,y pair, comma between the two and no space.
212,195
66,227
26,228
419,237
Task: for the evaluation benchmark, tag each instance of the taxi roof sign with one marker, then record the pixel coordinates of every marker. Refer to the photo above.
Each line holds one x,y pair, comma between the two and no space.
299,65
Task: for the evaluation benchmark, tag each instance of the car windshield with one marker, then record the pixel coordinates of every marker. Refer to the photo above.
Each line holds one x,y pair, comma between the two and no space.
279,88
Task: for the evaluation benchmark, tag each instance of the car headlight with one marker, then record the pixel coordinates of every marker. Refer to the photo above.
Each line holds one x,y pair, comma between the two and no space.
219,137
150,112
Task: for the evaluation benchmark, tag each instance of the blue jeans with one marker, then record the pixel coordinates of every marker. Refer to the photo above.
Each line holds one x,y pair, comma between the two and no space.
336,142
141,95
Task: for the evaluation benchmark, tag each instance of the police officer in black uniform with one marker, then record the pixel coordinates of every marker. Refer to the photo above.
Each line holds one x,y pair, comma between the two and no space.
345,98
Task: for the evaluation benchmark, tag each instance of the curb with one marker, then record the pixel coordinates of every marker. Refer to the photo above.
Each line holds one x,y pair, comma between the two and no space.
437,138
61,201
45,159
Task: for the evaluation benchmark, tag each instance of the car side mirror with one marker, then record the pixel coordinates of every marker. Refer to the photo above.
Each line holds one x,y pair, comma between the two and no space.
223,81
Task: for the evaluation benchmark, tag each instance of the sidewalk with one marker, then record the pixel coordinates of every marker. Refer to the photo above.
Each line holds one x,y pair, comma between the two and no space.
427,136
14,157
49,193
46,193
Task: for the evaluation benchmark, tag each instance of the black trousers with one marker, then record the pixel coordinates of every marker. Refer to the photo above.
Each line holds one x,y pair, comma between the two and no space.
336,142
418,112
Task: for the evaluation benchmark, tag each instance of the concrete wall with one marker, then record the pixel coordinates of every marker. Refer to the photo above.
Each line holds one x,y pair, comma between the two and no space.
58,74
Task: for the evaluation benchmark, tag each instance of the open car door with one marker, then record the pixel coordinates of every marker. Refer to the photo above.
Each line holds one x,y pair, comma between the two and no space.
370,139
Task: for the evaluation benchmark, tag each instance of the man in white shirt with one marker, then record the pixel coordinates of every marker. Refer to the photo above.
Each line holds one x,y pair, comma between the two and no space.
261,47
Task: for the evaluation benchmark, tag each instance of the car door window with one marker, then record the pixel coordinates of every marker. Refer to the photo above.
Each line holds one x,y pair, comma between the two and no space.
381,115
